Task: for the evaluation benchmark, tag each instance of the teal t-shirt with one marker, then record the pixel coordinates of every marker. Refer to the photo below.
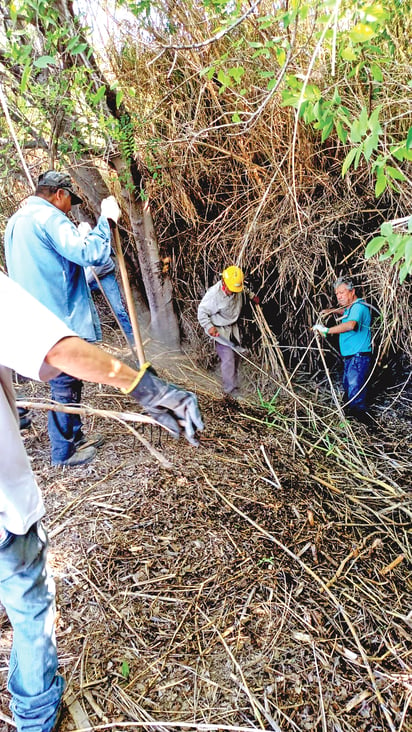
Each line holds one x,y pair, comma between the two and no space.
359,340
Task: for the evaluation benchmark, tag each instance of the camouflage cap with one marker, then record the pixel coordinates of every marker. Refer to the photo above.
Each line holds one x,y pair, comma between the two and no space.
53,178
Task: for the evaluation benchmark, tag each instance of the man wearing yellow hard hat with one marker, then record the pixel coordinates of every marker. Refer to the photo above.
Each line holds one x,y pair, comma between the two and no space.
218,313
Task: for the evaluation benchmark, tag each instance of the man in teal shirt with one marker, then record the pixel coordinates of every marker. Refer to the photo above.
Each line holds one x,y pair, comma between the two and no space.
355,345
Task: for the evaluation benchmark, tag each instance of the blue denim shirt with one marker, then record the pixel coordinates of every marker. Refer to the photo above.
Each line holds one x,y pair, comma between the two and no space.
46,254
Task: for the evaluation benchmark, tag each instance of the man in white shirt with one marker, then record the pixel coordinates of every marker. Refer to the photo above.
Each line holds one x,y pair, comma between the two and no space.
35,343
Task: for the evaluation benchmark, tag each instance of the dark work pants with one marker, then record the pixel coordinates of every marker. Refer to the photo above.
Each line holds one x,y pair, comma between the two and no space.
65,430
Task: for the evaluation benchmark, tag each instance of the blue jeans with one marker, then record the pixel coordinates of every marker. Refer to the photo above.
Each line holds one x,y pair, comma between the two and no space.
112,292
27,593
355,373
65,430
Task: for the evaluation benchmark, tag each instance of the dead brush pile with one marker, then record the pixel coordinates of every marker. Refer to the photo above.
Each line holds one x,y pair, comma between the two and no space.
267,193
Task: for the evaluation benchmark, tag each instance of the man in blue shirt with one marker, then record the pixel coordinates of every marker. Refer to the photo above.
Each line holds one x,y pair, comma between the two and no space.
354,332
46,254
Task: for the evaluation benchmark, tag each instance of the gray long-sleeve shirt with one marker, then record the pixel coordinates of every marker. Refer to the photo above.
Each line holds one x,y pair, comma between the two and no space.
220,310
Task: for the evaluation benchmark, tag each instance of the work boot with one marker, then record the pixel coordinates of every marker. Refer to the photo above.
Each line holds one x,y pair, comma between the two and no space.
24,417
361,416
96,440
80,457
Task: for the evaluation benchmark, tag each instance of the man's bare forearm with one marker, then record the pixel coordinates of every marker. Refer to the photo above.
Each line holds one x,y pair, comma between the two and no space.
87,362
343,327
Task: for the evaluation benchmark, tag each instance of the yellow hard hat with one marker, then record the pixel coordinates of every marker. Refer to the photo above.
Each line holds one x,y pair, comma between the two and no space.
233,278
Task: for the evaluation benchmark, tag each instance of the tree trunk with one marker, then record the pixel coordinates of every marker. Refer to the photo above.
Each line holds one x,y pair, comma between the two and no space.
158,288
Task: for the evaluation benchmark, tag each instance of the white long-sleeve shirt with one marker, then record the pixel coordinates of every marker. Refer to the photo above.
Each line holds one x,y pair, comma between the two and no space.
27,332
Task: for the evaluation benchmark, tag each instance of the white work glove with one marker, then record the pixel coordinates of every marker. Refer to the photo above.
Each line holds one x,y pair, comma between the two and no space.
322,329
110,209
84,228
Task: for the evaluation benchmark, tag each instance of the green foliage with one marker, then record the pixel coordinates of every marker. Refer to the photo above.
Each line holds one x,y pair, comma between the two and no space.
49,57
269,406
365,52
125,670
393,245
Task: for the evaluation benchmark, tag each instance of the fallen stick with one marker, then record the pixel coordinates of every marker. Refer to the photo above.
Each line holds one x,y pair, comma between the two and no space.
392,565
88,411
121,417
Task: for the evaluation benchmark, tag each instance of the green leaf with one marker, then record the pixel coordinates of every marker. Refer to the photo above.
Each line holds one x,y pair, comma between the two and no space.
327,129
348,160
289,99
348,54
236,72
374,246
13,12
336,99
236,118
376,72
398,153
409,139
312,92
403,272
99,94
394,173
25,77
119,98
357,156
224,79
341,131
381,183
386,229
363,121
408,251
361,32
370,144
80,48
375,13
386,255
355,132
125,670
400,253
280,56
395,241
44,61
373,121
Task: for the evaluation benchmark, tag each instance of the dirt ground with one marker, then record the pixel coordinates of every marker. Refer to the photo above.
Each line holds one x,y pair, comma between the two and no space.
261,582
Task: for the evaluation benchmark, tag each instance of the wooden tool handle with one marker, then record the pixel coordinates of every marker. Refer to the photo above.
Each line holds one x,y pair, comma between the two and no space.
129,297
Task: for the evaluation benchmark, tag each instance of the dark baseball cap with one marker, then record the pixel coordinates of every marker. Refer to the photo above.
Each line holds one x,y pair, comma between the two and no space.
53,178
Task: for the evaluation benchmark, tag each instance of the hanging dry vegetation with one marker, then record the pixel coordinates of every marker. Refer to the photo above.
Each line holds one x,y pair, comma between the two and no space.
233,176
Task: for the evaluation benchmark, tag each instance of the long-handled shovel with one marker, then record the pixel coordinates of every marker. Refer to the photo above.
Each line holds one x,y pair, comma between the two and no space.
129,297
